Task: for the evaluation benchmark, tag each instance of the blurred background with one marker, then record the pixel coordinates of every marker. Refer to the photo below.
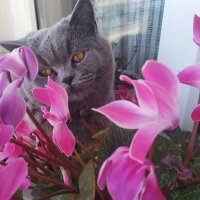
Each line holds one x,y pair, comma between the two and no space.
138,30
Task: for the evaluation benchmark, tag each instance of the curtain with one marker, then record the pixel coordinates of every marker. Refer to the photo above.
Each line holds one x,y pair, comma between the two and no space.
133,27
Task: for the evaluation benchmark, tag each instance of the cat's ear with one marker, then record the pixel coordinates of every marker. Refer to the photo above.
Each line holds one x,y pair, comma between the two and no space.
83,16
10,45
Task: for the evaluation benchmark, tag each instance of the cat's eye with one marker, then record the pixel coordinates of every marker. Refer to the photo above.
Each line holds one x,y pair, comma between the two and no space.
46,72
78,57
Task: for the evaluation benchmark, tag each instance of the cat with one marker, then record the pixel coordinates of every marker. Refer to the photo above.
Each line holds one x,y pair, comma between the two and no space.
76,56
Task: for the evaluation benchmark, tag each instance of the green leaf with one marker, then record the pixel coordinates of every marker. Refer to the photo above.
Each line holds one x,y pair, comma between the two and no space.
165,176
190,193
115,138
87,183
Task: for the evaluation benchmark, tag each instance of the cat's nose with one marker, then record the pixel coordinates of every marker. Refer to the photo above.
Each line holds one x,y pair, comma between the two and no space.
68,80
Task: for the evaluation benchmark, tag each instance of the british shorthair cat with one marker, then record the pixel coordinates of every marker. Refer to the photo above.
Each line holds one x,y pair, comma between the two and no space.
76,56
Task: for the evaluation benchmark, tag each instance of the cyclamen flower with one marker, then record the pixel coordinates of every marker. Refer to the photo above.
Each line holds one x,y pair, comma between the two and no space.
127,179
196,30
13,177
154,112
12,110
19,63
56,98
191,76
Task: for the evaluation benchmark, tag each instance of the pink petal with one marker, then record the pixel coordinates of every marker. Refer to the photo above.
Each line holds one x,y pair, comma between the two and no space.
24,128
143,140
59,100
65,177
42,95
196,114
52,119
12,177
30,61
152,190
196,29
6,132
25,184
161,75
7,151
118,169
103,173
13,63
125,114
190,75
167,107
144,94
64,138
3,82
15,154
19,62
12,105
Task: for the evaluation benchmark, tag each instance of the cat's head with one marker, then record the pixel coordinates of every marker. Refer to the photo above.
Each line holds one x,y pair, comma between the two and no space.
73,54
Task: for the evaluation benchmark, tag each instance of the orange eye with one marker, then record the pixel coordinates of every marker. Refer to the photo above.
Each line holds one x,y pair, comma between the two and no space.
77,58
46,72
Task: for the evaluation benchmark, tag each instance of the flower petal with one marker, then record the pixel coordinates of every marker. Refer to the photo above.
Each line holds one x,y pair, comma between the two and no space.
125,114
196,114
66,178
7,151
196,30
20,62
12,177
59,100
12,105
144,94
120,168
42,95
168,109
13,63
143,140
64,138
152,190
190,75
24,128
3,82
6,132
161,75
30,61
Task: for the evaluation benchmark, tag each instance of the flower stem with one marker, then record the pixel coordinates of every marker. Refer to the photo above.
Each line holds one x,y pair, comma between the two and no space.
46,178
188,153
37,165
64,163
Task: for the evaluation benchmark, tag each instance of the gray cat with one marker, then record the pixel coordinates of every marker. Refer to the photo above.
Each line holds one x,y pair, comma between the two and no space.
73,54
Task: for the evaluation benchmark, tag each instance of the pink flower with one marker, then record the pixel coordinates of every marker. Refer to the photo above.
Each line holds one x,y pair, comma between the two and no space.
153,113
196,30
56,97
10,152
13,177
127,179
12,110
20,62
191,76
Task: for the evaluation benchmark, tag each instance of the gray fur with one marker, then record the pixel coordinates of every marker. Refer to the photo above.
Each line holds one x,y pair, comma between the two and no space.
88,83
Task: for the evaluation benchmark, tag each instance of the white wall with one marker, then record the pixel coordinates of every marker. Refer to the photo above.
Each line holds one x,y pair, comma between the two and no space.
17,18
177,49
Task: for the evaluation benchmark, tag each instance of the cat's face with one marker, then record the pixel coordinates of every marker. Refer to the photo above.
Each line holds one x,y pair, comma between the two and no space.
74,55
